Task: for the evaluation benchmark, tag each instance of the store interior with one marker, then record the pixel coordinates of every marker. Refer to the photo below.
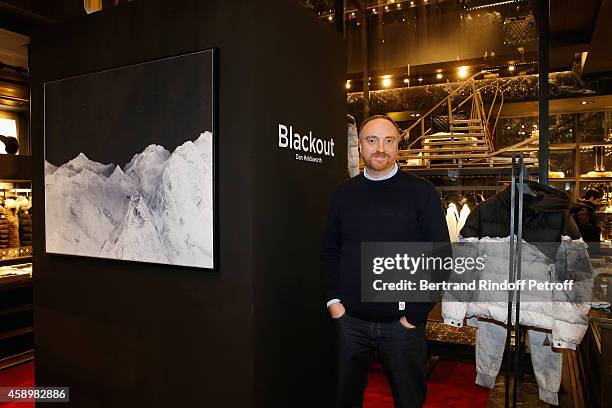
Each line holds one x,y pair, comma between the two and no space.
462,80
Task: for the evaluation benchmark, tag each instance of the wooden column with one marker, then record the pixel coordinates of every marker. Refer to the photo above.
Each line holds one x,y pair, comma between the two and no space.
363,26
543,91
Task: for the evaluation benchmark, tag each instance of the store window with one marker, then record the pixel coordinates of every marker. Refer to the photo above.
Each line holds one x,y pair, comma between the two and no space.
561,129
8,127
514,130
591,127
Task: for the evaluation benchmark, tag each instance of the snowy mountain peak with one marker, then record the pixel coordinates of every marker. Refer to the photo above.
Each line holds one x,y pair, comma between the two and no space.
117,173
147,167
204,143
138,210
152,155
49,168
82,162
157,208
136,235
119,178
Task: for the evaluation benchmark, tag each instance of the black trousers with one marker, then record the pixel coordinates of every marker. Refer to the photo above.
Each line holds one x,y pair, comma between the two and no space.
402,352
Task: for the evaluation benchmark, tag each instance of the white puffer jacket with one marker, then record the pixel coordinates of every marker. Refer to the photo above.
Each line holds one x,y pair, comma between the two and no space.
562,312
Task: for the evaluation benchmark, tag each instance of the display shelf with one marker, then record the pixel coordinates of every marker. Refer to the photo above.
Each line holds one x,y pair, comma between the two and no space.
470,188
595,358
16,316
10,282
15,261
18,309
16,167
16,333
563,146
16,359
466,172
596,179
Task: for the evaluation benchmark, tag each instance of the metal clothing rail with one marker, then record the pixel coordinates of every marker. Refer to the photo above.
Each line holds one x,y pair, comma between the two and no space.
514,275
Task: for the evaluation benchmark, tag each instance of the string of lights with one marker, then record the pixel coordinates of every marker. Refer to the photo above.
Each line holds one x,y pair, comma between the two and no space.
399,5
462,72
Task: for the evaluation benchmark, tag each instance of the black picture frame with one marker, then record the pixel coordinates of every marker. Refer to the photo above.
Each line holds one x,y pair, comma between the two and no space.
190,80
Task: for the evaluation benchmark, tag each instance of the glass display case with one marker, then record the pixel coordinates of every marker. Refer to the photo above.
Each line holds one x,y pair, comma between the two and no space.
15,221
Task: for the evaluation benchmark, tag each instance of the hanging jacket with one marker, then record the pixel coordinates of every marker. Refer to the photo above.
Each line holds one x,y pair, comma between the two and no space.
545,220
452,217
463,215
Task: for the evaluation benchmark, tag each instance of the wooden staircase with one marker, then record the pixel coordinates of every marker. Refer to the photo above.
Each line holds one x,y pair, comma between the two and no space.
469,141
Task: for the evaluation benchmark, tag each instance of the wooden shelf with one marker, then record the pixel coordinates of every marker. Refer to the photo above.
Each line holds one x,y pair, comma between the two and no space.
13,310
466,171
16,168
11,282
16,261
16,317
15,333
592,179
16,359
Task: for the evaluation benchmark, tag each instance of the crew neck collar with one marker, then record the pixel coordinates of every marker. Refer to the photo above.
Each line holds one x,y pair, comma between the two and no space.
387,176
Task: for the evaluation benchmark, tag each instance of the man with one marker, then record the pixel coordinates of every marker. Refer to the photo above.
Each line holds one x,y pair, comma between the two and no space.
380,205
584,213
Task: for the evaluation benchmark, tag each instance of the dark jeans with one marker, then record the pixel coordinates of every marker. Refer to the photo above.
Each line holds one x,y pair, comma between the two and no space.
402,352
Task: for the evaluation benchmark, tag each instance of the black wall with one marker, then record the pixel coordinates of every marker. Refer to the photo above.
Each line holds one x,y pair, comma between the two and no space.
254,333
305,86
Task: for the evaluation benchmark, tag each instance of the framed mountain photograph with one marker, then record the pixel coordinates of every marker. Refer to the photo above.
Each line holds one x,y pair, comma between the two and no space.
130,163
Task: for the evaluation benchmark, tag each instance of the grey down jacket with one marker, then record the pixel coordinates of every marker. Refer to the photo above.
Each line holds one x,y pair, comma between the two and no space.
564,312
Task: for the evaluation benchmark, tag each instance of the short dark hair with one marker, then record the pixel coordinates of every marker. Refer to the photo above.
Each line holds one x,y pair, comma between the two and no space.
375,117
593,193
11,144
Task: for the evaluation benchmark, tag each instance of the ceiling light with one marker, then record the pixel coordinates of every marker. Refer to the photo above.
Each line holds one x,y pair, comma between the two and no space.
511,68
420,79
406,80
386,7
399,5
330,18
462,72
386,82
439,75
348,84
499,3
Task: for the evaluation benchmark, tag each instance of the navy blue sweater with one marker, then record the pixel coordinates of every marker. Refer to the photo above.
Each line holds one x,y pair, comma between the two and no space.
403,208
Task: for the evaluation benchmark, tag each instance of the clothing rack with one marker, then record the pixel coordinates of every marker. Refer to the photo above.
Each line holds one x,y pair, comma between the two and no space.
514,275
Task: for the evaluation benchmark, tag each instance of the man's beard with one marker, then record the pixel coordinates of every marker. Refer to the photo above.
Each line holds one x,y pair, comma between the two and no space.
375,163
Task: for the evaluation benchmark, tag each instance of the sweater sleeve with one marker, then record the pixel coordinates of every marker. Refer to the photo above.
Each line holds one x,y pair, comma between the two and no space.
434,229
330,252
